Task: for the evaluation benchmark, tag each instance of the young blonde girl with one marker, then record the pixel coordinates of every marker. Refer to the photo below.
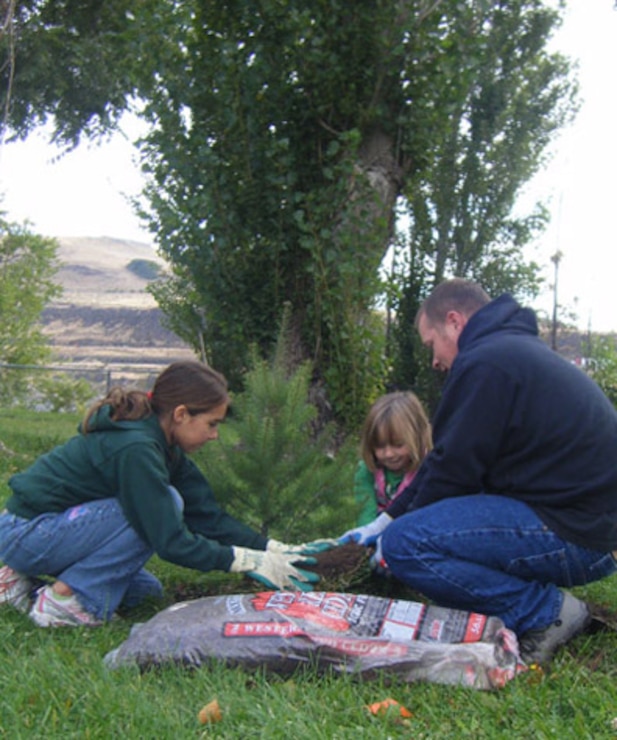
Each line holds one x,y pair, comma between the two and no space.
89,514
396,436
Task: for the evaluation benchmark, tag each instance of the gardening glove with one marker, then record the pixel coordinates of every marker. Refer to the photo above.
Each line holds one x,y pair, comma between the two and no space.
367,534
306,548
377,562
274,569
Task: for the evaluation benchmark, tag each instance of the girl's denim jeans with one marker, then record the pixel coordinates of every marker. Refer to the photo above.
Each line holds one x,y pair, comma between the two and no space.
492,555
91,547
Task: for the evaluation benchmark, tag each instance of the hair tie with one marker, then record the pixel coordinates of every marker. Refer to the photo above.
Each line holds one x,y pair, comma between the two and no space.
149,395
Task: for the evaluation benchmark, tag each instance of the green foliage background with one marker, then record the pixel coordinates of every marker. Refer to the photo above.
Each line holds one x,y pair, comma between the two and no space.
603,365
28,264
286,140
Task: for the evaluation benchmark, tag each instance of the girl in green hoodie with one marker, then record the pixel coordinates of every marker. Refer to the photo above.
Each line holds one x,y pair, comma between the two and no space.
91,512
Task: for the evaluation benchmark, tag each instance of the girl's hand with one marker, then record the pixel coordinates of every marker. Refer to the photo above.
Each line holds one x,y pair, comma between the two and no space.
368,534
274,569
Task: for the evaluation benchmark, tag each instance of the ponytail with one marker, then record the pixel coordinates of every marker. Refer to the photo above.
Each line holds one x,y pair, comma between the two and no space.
192,384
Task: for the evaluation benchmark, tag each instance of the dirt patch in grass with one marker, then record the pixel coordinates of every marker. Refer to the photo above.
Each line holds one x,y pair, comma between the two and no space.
590,654
602,618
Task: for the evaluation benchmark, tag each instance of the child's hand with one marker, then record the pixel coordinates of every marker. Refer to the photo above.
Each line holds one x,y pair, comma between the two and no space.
368,534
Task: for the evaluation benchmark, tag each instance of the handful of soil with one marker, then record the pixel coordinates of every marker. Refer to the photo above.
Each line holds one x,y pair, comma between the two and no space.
341,566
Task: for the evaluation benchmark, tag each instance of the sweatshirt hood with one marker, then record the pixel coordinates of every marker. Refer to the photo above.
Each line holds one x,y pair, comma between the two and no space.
101,421
503,313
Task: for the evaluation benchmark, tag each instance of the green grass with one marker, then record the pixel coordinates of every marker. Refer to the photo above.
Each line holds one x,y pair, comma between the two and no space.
53,683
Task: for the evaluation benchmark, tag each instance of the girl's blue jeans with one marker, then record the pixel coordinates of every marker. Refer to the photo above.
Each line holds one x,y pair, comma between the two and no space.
91,547
490,554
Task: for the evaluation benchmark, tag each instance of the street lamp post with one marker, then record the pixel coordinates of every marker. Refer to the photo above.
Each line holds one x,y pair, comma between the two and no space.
555,259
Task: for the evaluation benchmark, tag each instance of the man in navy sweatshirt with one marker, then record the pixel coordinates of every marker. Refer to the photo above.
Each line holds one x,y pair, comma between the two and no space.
518,498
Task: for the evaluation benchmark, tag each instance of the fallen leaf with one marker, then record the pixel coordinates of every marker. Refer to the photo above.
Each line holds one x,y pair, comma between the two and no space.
382,707
211,712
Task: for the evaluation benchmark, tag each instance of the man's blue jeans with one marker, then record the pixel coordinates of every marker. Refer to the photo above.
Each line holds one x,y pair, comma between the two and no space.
489,554
91,547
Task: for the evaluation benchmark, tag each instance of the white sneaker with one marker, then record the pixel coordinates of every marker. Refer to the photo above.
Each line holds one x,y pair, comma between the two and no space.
50,611
15,589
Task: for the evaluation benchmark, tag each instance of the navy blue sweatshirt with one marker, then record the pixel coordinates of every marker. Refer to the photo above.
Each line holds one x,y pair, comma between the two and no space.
518,420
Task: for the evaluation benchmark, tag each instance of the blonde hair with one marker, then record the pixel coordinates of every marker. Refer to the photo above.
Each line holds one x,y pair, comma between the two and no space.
191,383
396,419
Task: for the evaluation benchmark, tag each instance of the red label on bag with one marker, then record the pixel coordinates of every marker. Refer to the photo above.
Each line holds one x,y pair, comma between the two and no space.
360,647
475,627
261,629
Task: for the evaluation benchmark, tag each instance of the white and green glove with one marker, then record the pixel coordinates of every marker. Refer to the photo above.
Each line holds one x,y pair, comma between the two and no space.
306,548
274,569
368,534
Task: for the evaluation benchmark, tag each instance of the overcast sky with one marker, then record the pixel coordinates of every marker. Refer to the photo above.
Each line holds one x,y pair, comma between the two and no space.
84,193
580,184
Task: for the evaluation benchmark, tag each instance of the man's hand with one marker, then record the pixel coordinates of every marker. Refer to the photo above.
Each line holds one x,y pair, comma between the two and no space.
306,548
368,534
274,569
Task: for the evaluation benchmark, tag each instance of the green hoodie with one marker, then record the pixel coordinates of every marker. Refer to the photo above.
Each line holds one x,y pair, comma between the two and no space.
131,460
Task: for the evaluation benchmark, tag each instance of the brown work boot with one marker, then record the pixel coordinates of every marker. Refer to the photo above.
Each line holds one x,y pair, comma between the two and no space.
539,646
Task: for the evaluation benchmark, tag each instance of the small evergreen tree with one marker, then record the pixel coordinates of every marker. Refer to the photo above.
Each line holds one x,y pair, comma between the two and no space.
276,472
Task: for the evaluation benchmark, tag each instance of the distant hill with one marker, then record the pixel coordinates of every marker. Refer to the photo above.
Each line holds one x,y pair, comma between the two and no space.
105,313
102,272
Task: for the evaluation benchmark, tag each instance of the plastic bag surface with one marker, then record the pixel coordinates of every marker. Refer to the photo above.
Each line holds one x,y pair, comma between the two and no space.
352,633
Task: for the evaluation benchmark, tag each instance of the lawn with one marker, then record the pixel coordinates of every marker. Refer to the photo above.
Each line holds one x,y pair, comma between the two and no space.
53,683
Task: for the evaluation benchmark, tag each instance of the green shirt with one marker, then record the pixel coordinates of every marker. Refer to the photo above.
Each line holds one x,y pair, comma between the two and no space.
364,491
131,460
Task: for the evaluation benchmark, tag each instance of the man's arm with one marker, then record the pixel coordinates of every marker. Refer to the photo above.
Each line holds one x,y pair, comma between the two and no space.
469,431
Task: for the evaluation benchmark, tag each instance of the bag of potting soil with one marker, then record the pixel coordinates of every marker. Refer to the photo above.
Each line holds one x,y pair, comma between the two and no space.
357,634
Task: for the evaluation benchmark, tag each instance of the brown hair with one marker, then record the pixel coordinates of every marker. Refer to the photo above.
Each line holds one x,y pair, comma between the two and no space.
191,383
397,419
457,294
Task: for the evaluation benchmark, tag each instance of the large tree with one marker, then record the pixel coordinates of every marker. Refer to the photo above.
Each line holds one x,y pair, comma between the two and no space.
282,137
511,99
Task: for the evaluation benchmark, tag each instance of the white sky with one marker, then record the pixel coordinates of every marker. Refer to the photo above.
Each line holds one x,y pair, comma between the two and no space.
580,184
84,193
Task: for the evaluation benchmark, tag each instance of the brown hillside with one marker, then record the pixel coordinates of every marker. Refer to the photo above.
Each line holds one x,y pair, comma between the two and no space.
105,313
97,272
